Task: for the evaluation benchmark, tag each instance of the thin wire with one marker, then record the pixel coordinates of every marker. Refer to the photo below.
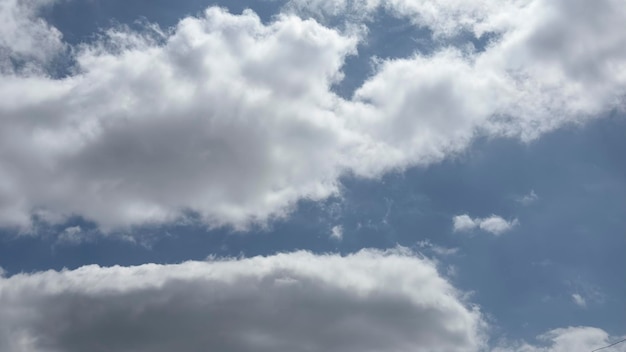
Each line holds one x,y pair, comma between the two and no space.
601,348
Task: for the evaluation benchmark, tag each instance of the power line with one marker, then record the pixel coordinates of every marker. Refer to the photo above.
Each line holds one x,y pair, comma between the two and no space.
611,345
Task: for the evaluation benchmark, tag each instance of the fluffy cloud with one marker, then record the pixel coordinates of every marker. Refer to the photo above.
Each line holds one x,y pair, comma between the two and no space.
228,118
572,339
234,121
25,38
494,224
369,301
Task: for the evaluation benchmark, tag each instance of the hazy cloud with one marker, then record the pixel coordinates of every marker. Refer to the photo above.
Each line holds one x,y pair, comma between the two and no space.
579,300
571,339
336,233
528,198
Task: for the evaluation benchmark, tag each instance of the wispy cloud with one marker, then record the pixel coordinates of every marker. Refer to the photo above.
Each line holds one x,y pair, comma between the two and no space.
336,233
528,198
436,249
579,300
570,339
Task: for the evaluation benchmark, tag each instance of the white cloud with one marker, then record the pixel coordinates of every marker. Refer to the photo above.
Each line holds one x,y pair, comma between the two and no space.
571,339
497,225
229,118
336,233
369,301
494,224
24,36
463,223
234,120
586,292
529,198
444,17
579,300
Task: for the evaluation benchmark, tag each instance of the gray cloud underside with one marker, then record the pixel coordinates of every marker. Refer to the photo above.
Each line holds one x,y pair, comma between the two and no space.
369,301
389,301
235,120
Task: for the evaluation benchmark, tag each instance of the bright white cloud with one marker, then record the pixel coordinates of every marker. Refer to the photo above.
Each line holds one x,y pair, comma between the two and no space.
463,223
494,224
235,121
25,37
369,301
571,339
230,119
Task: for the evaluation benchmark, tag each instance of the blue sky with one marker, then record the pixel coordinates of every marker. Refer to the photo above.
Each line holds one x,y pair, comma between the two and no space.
453,172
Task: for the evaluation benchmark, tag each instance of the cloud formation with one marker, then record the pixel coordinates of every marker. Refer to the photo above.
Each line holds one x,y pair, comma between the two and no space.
493,224
336,233
436,249
368,301
528,198
25,38
228,118
579,300
233,121
571,339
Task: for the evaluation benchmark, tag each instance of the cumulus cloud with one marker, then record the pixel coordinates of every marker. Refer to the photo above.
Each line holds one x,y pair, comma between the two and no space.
463,223
232,121
368,301
494,224
571,339
229,118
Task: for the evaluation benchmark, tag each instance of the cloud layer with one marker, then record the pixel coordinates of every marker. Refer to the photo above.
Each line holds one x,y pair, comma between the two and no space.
232,120
369,301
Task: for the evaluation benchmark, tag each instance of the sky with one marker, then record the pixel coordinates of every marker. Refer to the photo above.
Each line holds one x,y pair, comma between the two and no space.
306,175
